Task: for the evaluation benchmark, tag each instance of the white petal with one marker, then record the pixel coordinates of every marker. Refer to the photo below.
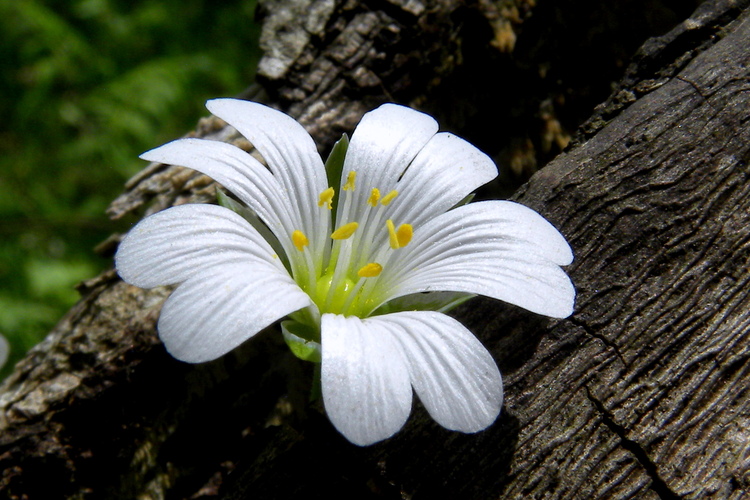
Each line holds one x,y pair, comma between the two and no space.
173,245
240,173
220,307
444,172
291,155
499,249
433,301
453,374
365,381
383,145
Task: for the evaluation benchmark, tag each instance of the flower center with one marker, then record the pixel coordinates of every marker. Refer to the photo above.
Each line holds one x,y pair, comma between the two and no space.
348,284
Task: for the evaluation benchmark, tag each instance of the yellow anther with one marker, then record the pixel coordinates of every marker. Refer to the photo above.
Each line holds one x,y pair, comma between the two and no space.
370,270
404,234
326,198
392,235
388,198
374,197
349,186
300,240
401,237
345,231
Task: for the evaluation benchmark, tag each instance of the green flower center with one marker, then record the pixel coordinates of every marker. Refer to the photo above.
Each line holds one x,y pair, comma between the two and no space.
347,285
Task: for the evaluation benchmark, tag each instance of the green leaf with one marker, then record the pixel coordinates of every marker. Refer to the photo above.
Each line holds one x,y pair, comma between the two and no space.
300,339
429,301
465,201
335,166
225,201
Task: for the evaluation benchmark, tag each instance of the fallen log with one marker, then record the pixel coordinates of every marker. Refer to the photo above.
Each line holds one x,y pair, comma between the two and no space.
641,393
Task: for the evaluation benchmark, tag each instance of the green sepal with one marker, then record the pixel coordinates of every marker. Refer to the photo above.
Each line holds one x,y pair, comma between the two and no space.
301,340
252,218
335,166
465,201
429,301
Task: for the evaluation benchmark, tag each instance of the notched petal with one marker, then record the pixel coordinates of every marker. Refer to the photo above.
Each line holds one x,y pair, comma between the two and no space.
453,374
445,172
217,309
364,378
171,246
499,249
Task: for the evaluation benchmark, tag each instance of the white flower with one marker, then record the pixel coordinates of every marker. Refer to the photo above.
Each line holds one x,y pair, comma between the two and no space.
347,265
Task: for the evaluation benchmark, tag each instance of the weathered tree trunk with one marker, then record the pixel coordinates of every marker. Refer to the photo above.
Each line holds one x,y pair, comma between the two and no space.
642,393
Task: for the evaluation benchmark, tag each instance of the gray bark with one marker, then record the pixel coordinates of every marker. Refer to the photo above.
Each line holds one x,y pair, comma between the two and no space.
640,394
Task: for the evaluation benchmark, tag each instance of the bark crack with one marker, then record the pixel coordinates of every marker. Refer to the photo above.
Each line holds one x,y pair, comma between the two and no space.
658,485
607,342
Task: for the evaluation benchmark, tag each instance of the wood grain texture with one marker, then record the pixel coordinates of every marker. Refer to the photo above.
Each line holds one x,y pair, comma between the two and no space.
641,394
656,207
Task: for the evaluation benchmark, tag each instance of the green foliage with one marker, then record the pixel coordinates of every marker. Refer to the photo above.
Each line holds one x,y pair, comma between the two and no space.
88,85
334,168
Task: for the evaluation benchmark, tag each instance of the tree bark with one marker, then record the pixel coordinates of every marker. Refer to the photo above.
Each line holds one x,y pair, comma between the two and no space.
640,394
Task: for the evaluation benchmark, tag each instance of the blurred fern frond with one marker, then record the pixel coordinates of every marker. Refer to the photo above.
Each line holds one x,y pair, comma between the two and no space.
86,86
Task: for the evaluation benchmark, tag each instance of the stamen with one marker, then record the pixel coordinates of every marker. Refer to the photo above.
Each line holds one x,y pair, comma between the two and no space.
370,270
300,240
388,198
392,235
374,197
401,237
345,231
326,198
404,234
349,186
